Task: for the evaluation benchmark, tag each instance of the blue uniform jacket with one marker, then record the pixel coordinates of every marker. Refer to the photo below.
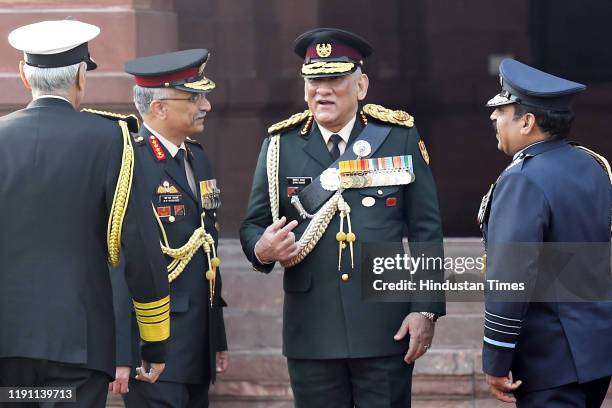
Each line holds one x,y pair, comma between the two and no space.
553,193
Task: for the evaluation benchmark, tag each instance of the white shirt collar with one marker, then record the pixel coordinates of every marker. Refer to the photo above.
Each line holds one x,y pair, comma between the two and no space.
171,147
518,154
344,133
52,96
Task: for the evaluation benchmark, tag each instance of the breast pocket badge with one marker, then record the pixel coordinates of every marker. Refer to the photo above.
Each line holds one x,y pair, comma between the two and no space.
294,184
169,205
210,194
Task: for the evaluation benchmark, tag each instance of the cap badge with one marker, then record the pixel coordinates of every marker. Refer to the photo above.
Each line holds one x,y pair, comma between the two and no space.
324,50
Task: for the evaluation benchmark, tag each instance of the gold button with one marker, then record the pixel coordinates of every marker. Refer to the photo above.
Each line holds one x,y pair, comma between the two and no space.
345,277
380,192
171,218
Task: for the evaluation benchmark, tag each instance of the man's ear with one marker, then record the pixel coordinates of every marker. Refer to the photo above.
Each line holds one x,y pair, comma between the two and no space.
529,123
362,86
157,109
25,81
305,90
81,77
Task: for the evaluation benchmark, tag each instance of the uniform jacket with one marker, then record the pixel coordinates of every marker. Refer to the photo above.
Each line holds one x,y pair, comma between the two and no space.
323,316
554,193
59,169
197,332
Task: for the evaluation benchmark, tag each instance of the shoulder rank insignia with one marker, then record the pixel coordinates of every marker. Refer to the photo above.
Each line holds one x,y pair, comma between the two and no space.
293,121
423,150
601,160
131,120
395,117
192,141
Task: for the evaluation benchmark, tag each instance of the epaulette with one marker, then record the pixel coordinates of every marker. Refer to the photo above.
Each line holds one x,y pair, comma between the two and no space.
131,120
192,141
293,121
395,117
601,160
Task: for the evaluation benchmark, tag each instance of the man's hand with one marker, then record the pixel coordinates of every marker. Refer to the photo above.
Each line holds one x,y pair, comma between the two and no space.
502,387
122,378
421,331
277,242
149,372
222,361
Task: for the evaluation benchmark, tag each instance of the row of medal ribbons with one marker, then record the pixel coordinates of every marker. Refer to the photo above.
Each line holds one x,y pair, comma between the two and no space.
376,172
210,194
375,164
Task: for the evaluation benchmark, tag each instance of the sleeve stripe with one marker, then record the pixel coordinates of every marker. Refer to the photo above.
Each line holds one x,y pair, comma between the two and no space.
505,318
499,331
152,305
154,319
154,331
499,324
499,343
152,312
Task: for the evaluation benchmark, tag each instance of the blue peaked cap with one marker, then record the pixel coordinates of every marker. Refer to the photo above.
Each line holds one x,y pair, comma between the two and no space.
528,86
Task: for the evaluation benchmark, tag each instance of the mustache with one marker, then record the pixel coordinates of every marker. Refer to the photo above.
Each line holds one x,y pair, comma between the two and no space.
199,116
494,125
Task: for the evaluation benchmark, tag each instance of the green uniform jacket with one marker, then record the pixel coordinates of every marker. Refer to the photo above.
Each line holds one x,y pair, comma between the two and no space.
324,317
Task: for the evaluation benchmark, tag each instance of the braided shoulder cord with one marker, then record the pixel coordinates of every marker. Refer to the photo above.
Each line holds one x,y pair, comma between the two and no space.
272,163
315,230
182,255
121,197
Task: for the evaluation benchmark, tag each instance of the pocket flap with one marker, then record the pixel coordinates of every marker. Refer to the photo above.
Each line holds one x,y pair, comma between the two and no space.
379,191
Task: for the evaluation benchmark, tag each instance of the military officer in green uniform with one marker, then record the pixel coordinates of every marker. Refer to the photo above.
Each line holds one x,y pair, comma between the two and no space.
307,212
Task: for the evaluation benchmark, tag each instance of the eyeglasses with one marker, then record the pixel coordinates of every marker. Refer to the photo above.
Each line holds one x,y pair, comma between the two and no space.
194,98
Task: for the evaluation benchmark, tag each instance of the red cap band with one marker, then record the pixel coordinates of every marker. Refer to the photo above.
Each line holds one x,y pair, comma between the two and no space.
160,81
337,50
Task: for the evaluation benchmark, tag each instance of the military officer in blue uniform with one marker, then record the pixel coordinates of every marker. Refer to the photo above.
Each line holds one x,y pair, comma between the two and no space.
341,350
71,194
171,96
547,353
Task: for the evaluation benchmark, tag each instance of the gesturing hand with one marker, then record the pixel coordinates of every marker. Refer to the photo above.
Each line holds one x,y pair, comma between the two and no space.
277,242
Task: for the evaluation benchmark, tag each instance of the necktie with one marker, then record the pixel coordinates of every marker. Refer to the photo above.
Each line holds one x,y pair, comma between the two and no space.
180,158
335,150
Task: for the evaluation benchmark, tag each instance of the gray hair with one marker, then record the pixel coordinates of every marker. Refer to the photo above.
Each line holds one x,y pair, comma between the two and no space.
144,96
55,81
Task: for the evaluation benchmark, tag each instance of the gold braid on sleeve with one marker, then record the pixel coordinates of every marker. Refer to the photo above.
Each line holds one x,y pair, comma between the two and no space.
121,198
